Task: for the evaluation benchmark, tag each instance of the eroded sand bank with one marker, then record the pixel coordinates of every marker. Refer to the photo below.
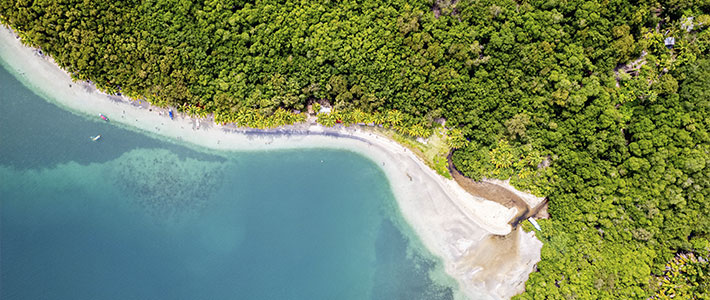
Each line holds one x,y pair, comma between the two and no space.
470,234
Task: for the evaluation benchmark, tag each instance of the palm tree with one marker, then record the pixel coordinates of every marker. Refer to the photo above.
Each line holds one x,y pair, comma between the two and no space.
219,118
326,119
202,113
379,118
455,139
417,130
394,117
191,110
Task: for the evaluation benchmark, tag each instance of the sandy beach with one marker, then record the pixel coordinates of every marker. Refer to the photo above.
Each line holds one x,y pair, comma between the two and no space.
470,234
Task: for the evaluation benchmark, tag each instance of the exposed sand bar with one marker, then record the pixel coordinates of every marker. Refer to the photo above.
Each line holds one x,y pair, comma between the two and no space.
452,224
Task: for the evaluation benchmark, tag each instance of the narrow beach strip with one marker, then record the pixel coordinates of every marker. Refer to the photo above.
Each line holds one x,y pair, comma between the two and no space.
452,224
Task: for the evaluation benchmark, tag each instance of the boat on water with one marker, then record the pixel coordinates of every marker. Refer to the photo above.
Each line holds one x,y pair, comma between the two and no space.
103,117
170,112
95,138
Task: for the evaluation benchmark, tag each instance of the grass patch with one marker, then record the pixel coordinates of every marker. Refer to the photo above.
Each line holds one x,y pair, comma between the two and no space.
433,152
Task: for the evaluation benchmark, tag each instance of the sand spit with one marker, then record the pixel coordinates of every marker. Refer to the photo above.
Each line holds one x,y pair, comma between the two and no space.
461,229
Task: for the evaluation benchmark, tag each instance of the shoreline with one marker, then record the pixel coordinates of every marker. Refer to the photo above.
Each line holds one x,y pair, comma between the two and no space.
462,230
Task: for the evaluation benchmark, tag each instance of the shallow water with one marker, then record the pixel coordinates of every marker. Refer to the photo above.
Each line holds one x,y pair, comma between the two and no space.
134,217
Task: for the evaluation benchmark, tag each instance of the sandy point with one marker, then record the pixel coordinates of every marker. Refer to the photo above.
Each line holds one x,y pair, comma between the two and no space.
470,234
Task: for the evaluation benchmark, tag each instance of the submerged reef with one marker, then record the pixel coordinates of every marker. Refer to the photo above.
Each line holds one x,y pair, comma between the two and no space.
164,186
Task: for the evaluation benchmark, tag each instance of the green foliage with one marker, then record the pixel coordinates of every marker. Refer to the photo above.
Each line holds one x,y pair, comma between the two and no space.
686,276
456,139
530,90
316,107
252,118
433,151
399,122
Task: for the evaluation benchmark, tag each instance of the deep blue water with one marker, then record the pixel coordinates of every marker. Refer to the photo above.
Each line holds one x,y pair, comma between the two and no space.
134,217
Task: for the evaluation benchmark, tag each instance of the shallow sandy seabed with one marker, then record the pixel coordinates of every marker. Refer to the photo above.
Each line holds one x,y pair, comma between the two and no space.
469,234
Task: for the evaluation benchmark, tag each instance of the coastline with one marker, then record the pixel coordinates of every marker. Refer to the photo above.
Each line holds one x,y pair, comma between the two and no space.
459,228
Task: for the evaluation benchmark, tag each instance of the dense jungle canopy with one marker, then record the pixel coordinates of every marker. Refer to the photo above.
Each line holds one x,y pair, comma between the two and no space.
581,101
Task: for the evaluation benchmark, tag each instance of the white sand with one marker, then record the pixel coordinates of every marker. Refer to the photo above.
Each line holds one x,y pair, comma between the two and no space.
451,223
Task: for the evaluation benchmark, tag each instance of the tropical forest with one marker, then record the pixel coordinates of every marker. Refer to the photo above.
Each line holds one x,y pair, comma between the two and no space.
601,106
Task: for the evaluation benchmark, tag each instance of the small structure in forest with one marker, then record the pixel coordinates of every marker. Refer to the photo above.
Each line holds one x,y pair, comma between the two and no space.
670,42
687,24
321,107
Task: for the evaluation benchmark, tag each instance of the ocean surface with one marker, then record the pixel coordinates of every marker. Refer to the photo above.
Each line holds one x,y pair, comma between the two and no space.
136,217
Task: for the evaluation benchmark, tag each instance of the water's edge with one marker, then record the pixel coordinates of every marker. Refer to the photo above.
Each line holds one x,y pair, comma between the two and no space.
447,223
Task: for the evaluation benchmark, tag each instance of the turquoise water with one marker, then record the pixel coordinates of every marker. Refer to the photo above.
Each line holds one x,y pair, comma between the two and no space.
134,217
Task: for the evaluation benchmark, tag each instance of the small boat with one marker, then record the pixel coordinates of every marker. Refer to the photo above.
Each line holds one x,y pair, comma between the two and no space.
103,117
170,112
534,224
95,138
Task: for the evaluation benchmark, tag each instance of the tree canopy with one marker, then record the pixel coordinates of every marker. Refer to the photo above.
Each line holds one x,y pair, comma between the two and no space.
579,100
